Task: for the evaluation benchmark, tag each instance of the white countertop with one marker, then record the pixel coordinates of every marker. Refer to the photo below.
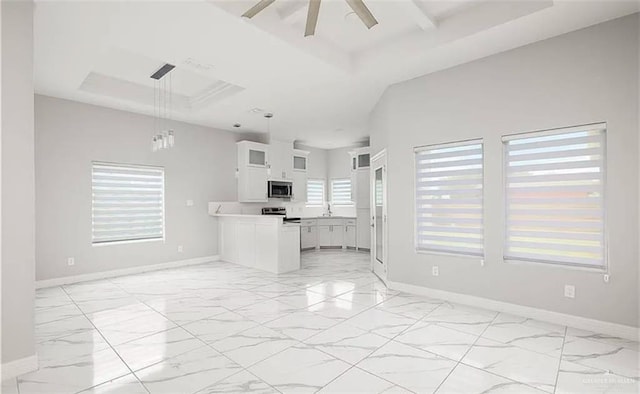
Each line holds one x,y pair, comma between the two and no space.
243,215
328,217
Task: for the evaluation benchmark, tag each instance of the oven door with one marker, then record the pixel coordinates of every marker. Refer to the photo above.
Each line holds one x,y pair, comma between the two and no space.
278,189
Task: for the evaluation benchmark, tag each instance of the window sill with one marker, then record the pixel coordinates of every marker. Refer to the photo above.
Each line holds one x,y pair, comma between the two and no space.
596,270
463,256
134,241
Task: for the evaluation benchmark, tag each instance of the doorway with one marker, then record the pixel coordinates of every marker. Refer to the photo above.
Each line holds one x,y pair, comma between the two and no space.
379,215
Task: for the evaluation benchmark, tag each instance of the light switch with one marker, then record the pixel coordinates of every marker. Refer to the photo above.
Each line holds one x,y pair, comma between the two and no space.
435,271
189,203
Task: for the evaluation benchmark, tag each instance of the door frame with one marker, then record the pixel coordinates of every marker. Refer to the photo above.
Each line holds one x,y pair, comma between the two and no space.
381,155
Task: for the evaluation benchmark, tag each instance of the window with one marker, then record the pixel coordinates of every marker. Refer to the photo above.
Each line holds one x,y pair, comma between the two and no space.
341,192
127,203
449,198
554,194
315,192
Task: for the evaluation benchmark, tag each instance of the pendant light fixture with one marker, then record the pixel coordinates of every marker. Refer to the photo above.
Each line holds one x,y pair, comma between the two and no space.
163,137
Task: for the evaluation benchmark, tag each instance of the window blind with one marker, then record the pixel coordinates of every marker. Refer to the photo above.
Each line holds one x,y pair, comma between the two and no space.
554,194
127,202
315,192
341,192
449,207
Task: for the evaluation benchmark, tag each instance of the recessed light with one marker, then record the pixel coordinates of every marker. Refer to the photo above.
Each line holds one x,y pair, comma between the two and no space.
237,125
268,115
256,110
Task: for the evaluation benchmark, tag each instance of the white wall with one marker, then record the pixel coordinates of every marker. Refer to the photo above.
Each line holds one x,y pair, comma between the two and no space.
69,135
581,77
18,196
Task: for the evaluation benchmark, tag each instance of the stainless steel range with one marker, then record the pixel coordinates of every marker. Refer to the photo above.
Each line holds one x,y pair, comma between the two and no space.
281,211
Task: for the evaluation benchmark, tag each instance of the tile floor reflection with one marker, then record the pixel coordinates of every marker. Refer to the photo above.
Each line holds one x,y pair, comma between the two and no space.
331,327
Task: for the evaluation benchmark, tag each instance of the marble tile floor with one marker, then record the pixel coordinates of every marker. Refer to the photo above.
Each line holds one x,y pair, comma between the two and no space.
331,327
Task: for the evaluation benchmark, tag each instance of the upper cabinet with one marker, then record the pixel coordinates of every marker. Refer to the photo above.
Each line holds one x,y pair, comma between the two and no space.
360,158
360,162
299,161
281,162
252,171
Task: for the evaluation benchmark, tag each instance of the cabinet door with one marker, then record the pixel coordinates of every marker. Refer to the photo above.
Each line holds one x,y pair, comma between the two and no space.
350,236
299,163
308,237
363,193
299,186
256,184
247,255
337,236
324,236
257,157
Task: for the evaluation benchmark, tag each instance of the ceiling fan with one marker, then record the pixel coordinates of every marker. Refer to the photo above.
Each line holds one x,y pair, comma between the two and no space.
314,9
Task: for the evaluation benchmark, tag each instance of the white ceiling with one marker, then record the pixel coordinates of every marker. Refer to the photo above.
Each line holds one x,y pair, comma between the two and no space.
321,88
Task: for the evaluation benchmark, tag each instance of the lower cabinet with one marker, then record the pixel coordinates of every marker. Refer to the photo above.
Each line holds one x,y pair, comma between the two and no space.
332,233
308,237
350,236
324,235
330,236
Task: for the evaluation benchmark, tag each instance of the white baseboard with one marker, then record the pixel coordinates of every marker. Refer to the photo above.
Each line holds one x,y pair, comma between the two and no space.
124,271
599,326
19,367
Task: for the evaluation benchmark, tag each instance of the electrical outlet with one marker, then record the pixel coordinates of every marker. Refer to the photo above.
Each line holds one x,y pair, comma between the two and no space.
435,271
180,249
570,291
189,203
71,261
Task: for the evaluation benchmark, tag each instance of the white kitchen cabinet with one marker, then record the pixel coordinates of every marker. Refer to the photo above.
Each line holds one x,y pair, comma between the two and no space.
363,223
324,236
299,186
252,171
330,233
263,242
281,160
350,236
337,236
308,237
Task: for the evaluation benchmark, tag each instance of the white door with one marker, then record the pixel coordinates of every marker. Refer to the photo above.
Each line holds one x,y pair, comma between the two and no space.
379,215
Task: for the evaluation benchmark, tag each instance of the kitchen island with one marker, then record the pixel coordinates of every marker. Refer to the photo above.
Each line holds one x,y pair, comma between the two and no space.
258,241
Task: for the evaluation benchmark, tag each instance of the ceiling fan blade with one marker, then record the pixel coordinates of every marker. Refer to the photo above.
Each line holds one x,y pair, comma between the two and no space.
312,17
363,12
253,11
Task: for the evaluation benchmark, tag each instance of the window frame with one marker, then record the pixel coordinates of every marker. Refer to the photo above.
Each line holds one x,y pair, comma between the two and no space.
342,204
163,192
604,268
324,192
417,249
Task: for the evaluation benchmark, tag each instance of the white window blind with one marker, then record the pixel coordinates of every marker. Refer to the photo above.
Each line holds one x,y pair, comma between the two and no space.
127,203
449,198
315,192
554,194
341,192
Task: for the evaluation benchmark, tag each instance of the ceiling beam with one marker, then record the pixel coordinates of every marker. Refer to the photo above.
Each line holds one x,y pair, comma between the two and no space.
421,16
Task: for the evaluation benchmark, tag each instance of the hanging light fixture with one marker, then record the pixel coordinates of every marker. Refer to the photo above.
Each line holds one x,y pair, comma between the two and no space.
163,137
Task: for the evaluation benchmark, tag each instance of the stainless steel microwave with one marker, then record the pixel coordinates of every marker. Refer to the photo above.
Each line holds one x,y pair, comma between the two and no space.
280,189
